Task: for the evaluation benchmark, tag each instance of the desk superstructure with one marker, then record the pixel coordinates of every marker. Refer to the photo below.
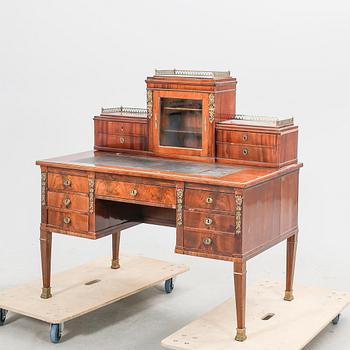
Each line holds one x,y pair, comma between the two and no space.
227,183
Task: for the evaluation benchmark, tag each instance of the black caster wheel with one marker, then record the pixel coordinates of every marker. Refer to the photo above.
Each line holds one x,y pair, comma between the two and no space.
3,314
169,285
55,333
336,320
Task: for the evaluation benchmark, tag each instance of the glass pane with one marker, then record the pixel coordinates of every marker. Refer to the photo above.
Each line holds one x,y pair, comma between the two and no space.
180,123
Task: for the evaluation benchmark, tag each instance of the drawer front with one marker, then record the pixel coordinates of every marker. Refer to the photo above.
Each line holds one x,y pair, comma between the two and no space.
121,141
209,200
209,221
246,137
136,192
69,221
70,201
209,243
120,128
67,182
247,153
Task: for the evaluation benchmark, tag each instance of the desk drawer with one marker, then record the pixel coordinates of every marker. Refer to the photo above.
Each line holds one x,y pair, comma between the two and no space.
209,221
210,243
120,128
135,192
72,201
209,200
68,220
247,153
67,182
246,137
121,141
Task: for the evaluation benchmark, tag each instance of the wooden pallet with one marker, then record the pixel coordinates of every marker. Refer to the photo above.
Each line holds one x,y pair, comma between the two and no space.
88,287
292,325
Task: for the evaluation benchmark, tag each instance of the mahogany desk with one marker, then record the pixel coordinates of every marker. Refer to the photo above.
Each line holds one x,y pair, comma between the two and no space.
227,212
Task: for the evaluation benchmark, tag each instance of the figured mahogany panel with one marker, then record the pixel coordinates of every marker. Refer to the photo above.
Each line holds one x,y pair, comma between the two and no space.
209,221
72,201
136,192
209,200
67,182
210,244
289,147
67,220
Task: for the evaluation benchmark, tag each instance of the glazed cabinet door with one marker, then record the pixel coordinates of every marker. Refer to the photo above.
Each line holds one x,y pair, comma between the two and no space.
180,124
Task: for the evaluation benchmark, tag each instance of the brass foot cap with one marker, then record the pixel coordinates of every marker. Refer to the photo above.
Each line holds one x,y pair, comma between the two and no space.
115,264
288,295
46,293
241,334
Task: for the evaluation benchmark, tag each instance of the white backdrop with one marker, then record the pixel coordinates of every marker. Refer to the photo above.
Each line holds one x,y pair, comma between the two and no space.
60,61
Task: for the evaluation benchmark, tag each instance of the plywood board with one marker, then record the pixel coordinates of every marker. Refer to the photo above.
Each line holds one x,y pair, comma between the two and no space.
293,325
88,287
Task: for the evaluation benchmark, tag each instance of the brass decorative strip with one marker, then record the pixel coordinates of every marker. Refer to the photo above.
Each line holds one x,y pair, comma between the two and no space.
179,200
149,103
239,202
43,188
91,195
125,111
211,107
193,73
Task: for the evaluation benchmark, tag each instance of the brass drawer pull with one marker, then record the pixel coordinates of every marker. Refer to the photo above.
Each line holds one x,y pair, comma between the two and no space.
67,202
245,137
245,151
66,220
133,192
208,221
67,182
209,200
207,241
122,140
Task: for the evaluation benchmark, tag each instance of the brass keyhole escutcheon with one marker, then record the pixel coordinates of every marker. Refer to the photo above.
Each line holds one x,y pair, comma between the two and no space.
133,192
208,221
209,200
122,140
67,202
245,152
67,182
66,220
245,137
207,241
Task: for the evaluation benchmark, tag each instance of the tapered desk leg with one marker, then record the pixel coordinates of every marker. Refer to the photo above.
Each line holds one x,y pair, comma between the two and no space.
240,296
291,254
115,250
45,247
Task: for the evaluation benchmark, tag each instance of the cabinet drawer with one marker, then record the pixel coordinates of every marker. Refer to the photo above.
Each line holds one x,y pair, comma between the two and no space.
247,153
73,201
120,128
121,141
136,192
209,221
209,200
67,182
246,137
68,220
209,243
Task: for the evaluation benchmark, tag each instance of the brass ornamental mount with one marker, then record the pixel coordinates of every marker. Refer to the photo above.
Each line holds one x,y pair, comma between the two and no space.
43,188
66,202
239,203
193,73
91,194
211,108
67,182
122,139
179,200
125,111
67,220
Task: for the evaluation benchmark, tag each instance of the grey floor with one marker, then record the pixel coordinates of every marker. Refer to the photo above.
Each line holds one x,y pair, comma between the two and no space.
143,320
